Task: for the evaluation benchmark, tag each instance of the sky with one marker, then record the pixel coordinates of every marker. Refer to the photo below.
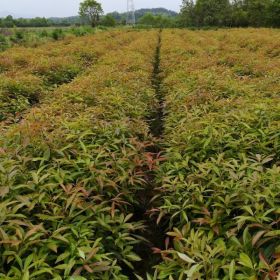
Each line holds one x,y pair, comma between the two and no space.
61,8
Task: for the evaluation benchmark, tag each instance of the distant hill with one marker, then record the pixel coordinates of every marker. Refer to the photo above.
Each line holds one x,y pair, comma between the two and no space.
156,11
139,13
118,16
66,21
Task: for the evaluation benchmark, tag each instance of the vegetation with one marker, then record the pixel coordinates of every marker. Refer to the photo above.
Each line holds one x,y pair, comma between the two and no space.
220,181
90,10
35,37
237,13
35,73
141,154
67,210
9,22
200,13
121,17
107,20
158,21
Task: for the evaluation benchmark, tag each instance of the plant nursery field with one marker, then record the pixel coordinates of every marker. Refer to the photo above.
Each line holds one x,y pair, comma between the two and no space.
141,154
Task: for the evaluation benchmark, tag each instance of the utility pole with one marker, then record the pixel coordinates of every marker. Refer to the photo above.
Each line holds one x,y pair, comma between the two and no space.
130,17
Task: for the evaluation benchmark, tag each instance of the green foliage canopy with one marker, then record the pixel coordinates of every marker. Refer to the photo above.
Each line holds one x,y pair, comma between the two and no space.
108,20
150,19
237,13
91,11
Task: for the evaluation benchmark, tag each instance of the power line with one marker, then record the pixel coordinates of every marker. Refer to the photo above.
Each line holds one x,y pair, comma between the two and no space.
130,16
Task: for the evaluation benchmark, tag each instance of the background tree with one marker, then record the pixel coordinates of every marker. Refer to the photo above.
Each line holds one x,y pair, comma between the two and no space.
117,16
8,22
148,19
239,13
152,20
91,10
274,13
108,20
213,12
188,14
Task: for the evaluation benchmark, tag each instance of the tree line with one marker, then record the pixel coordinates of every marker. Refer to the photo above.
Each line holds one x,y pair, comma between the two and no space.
9,21
199,13
236,13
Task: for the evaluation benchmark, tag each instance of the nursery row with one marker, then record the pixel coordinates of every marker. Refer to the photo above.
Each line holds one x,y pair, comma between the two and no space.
71,170
27,74
181,124
220,183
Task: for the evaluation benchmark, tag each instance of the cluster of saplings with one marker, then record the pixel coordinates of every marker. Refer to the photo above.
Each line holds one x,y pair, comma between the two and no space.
34,37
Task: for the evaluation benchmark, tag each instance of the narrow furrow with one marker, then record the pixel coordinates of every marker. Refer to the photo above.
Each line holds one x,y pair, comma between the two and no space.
154,235
156,121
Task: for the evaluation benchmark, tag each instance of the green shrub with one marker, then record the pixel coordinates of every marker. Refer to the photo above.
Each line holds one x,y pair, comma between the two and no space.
16,95
57,34
58,76
4,43
44,34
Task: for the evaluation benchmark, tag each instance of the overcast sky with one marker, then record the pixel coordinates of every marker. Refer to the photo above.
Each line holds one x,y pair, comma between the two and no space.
58,8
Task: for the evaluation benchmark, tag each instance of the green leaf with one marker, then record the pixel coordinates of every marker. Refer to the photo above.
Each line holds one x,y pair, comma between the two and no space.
193,269
28,261
249,210
47,154
62,257
25,275
272,233
133,257
42,271
128,217
62,266
185,258
232,270
245,261
81,254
